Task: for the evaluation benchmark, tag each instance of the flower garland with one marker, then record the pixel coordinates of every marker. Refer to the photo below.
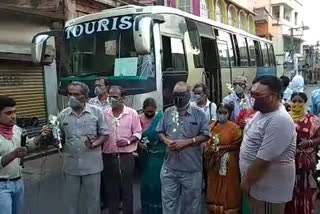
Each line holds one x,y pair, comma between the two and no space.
318,165
175,120
216,141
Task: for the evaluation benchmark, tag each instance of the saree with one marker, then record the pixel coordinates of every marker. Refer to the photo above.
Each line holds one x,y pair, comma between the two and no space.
305,189
221,162
150,160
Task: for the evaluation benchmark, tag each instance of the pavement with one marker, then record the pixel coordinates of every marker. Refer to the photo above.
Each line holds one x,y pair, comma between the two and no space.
44,184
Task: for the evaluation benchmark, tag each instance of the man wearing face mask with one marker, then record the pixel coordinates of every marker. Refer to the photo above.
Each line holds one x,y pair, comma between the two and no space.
268,149
183,129
118,159
201,100
239,99
101,92
84,130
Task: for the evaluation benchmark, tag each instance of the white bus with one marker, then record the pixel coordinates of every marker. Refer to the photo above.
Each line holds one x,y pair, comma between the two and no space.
147,50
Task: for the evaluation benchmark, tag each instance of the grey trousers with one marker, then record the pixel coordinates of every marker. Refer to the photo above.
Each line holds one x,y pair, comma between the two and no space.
181,191
263,207
89,185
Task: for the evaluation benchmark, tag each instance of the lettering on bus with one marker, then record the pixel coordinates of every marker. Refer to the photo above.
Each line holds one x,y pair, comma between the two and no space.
10,79
100,25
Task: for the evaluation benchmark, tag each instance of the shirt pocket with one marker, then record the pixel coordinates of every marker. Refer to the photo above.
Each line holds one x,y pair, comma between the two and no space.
89,126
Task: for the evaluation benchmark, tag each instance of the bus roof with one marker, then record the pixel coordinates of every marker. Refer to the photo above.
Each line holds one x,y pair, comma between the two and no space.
133,9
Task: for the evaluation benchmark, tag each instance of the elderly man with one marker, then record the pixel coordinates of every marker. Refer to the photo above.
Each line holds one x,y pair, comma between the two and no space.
83,130
239,99
183,128
118,159
11,152
101,92
267,154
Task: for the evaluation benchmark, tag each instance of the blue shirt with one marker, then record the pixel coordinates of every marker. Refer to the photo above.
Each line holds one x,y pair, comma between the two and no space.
315,102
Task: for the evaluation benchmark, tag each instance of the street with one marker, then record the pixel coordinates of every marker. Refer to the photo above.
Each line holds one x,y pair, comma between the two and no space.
44,184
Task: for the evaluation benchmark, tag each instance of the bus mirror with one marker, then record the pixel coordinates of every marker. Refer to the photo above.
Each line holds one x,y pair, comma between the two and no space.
142,33
38,48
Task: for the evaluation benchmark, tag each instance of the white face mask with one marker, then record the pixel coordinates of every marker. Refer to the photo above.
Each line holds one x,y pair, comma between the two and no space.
98,91
238,89
197,98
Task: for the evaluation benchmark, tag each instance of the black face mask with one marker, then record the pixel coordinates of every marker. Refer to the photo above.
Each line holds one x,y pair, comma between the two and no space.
149,115
181,100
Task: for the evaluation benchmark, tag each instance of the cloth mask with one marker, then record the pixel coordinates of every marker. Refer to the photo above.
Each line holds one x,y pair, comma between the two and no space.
149,116
98,91
222,118
197,98
259,104
74,103
6,131
181,101
238,89
114,102
297,111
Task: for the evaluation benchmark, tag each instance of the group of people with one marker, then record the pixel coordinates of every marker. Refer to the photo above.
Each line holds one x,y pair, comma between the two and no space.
253,153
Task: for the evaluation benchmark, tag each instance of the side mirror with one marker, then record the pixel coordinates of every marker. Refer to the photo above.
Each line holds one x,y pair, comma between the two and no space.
142,33
38,48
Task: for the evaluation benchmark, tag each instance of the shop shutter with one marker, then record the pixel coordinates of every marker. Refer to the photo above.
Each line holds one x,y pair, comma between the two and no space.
25,83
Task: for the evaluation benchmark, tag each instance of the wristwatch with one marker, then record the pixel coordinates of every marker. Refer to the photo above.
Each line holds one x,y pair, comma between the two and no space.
128,142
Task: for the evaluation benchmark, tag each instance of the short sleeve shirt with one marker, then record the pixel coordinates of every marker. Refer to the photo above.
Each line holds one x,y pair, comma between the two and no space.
233,98
192,124
78,158
210,109
271,137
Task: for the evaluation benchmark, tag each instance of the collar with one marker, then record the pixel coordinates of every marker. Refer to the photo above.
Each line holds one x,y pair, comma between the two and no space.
86,109
208,102
124,111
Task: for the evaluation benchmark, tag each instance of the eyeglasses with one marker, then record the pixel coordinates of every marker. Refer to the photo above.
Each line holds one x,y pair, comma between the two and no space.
255,95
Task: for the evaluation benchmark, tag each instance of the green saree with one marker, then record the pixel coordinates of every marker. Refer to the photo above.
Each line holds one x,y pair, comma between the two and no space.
150,162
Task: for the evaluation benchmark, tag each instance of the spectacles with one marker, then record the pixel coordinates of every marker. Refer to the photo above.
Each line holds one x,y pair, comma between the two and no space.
255,95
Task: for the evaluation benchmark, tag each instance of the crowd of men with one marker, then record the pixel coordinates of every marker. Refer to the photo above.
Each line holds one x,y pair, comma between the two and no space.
101,135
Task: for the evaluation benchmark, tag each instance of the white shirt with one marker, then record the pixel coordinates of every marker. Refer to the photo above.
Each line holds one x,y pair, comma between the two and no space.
287,95
211,115
297,83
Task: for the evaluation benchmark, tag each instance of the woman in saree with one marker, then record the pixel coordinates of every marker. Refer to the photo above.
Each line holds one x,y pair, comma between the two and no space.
221,158
308,137
151,154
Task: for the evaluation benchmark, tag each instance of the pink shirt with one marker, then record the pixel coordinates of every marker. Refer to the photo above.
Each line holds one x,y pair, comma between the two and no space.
123,127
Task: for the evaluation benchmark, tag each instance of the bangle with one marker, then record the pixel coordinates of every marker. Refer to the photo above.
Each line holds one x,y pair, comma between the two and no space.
193,140
128,142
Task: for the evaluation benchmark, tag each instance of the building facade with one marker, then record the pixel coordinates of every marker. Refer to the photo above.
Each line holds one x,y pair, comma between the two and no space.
281,22
235,13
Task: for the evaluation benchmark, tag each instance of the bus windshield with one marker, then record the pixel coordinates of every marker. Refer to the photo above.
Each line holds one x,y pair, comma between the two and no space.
107,51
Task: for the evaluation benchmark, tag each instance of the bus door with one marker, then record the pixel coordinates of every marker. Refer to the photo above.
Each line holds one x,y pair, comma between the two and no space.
225,66
210,59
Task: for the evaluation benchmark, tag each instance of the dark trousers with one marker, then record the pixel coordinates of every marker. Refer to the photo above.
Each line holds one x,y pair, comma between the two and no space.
118,177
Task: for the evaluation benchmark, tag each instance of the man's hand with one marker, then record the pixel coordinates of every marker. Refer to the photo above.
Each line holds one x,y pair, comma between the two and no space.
20,152
46,131
142,146
122,143
90,142
179,144
242,124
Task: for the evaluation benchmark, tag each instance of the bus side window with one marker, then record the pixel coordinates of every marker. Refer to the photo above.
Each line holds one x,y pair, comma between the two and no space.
252,52
223,54
195,43
265,54
258,54
222,35
173,54
243,51
271,56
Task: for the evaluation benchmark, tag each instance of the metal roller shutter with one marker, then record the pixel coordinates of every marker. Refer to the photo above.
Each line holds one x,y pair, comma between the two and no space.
25,83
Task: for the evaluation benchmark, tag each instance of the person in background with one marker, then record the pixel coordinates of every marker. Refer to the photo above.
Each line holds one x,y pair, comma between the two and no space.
286,90
118,159
151,153
201,100
239,99
297,83
308,138
101,92
314,107
11,152
183,129
267,150
221,158
84,131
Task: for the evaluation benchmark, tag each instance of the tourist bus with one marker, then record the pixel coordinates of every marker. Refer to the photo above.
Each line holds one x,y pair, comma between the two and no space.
147,50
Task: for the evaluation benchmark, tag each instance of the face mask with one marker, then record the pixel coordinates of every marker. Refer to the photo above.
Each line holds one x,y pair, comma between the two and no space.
181,101
238,89
149,116
114,102
297,111
222,118
260,104
97,91
197,98
74,103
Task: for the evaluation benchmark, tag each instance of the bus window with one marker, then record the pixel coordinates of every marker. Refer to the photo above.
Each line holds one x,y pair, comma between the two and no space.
243,51
271,55
265,54
195,43
173,54
223,54
252,52
258,53
224,36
